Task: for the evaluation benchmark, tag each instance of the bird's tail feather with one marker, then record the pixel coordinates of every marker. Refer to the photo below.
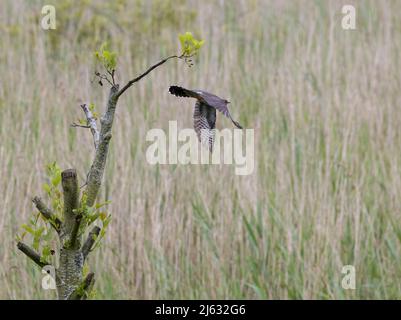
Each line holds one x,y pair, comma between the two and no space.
236,123
182,92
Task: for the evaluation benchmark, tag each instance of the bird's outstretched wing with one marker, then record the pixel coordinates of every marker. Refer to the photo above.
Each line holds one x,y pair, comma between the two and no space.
205,123
206,98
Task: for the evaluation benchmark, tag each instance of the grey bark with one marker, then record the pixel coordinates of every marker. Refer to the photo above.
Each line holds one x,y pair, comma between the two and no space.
69,273
96,172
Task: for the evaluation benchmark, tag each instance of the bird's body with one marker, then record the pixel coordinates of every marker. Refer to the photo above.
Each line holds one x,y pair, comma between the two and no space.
205,112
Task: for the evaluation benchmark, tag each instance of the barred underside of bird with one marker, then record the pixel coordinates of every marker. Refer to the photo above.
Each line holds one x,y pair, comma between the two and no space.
205,112
205,123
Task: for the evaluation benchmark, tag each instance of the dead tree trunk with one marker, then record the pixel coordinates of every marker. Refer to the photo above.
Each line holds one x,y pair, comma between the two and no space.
73,253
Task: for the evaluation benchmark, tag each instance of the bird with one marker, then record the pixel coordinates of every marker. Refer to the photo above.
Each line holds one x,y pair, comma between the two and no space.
204,116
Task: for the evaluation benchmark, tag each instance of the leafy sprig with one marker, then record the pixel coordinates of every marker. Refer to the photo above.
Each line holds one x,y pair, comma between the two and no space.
108,60
189,47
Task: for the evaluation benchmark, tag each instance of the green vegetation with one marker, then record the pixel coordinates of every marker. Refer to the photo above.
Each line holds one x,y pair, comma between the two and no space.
324,104
108,59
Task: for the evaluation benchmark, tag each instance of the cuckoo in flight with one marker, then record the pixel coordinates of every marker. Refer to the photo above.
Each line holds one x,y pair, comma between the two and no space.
205,112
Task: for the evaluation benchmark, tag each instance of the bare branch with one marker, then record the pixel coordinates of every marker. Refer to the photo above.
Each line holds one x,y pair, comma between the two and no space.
31,254
91,120
83,290
76,125
87,246
47,213
131,82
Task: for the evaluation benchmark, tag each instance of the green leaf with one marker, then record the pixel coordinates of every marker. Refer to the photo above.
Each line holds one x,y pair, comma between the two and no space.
39,232
189,45
56,180
99,205
28,229
91,218
45,253
48,235
46,188
106,57
85,270
250,232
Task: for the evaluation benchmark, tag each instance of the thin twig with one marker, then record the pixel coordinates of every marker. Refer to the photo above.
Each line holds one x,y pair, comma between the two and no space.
111,73
103,77
131,82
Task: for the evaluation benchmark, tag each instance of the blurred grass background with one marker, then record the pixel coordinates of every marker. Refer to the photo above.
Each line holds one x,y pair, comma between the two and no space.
325,106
